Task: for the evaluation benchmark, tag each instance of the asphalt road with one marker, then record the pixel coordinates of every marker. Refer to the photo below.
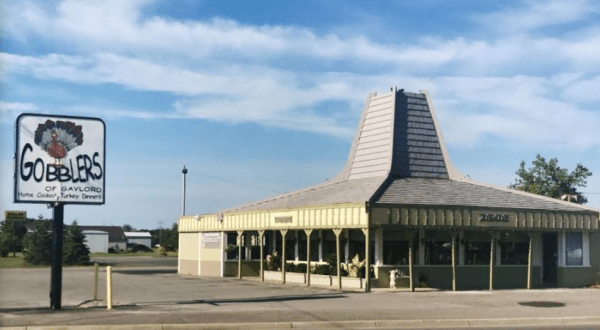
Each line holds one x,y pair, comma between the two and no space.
145,261
155,295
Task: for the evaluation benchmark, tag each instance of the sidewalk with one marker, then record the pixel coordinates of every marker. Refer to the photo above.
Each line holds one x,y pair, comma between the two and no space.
169,301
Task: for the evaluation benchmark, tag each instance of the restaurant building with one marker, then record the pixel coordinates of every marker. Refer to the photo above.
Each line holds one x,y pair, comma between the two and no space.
399,203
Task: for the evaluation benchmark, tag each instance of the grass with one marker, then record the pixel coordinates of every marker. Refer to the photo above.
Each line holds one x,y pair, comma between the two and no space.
19,262
134,254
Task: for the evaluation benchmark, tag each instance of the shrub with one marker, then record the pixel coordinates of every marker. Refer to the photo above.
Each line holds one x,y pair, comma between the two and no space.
162,251
138,248
38,244
75,252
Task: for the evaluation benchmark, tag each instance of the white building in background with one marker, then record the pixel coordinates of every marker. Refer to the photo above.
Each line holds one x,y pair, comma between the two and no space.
96,241
141,237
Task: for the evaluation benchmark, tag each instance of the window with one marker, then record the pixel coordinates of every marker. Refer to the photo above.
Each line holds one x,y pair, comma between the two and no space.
514,253
574,249
514,248
438,248
477,253
396,252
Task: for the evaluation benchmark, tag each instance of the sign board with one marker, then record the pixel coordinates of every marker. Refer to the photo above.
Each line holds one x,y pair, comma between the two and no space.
15,215
211,240
60,159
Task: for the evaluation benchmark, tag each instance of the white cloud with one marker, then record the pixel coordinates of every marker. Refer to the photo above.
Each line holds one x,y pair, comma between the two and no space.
225,71
539,14
10,110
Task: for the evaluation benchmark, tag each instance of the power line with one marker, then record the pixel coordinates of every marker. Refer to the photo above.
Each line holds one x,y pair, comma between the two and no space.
233,182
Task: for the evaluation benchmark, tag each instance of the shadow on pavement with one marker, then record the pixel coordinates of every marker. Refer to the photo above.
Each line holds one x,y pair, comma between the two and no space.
214,302
145,271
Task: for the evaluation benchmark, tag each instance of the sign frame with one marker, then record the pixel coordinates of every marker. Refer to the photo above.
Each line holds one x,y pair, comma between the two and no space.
17,158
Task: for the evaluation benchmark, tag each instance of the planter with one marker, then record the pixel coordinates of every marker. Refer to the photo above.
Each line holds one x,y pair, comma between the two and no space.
315,280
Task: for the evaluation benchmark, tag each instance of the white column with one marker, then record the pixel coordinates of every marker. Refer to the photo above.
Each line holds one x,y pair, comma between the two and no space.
347,246
320,246
223,254
586,248
378,247
274,241
296,246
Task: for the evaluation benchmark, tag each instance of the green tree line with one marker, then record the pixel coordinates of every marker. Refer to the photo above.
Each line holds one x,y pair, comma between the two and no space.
37,245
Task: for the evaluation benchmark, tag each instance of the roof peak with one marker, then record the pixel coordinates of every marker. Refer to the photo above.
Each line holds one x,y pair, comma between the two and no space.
398,135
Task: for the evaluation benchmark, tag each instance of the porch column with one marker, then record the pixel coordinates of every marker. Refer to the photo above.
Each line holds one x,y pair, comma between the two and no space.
261,237
367,260
239,241
308,232
283,233
410,262
492,252
529,259
337,233
296,246
320,245
454,262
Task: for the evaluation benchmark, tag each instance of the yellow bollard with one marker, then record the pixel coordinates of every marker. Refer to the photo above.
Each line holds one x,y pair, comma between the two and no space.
95,281
108,287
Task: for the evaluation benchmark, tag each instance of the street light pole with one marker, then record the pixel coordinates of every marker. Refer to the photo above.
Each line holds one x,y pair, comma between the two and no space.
184,171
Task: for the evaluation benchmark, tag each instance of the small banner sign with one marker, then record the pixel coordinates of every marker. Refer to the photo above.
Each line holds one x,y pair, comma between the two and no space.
211,240
15,215
60,159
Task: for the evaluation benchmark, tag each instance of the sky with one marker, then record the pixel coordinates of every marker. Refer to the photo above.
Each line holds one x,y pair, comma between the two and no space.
257,98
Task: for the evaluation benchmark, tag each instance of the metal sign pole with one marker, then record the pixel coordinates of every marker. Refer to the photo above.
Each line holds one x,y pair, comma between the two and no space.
57,249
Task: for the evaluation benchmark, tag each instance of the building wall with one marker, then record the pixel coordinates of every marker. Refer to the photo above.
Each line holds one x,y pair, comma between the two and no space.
143,241
188,253
97,243
575,277
211,254
467,277
249,268
117,245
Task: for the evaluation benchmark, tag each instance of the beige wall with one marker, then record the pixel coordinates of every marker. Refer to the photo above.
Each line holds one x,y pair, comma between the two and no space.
188,253
211,256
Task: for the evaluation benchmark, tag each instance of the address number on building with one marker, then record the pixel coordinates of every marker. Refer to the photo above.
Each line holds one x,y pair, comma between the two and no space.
490,217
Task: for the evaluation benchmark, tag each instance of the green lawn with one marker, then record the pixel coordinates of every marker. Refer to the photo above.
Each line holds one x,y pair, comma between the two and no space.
19,262
16,262
133,254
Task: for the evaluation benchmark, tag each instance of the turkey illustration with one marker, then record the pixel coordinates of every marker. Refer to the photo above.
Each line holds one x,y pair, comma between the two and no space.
58,138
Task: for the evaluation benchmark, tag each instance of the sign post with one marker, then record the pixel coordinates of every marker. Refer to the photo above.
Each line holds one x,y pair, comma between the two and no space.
56,165
57,244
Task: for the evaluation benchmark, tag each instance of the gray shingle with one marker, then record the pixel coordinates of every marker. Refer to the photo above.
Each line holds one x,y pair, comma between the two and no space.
420,191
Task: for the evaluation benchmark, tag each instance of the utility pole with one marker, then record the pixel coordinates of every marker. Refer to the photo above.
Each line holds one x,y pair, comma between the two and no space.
184,171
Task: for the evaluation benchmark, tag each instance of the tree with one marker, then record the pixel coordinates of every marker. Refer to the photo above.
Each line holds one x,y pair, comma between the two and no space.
11,237
75,252
548,179
38,244
127,227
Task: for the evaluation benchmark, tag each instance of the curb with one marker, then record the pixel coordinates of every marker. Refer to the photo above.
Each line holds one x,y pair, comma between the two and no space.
327,324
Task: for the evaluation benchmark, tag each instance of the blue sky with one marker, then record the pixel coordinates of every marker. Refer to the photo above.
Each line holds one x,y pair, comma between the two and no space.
268,94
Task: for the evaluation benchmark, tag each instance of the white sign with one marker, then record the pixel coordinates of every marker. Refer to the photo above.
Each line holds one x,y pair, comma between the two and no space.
60,159
211,240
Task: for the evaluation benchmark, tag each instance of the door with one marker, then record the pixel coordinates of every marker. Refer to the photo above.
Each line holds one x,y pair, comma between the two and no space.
550,257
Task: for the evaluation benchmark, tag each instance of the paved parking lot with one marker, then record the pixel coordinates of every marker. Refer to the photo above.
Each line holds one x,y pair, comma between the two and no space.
136,261
157,295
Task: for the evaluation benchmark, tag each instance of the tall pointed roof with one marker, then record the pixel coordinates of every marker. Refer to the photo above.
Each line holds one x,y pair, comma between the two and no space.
398,135
398,156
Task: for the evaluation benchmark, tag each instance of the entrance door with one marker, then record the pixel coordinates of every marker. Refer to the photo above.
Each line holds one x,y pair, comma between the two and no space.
550,257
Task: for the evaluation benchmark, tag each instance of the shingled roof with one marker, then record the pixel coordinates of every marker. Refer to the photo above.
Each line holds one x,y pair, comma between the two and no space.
398,156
